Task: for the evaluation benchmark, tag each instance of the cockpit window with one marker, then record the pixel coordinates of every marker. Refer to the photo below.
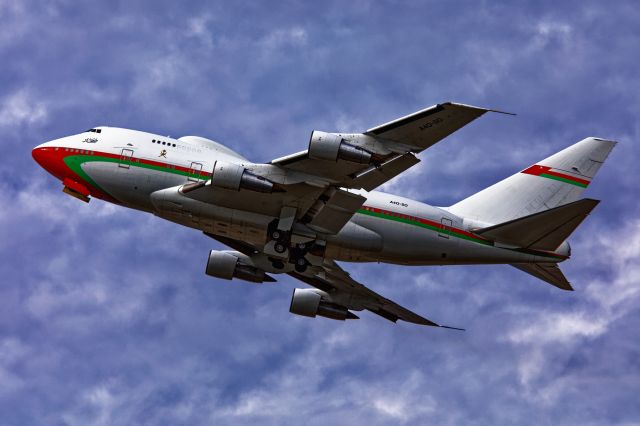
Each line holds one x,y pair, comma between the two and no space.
94,130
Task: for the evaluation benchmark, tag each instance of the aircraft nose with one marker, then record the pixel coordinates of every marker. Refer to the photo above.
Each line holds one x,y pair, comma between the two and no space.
49,158
39,155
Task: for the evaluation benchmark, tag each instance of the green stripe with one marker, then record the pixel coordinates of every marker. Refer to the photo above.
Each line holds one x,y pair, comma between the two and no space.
451,232
561,179
426,226
74,162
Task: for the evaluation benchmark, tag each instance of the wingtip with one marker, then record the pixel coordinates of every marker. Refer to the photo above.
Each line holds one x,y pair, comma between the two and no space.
502,112
478,108
610,141
452,328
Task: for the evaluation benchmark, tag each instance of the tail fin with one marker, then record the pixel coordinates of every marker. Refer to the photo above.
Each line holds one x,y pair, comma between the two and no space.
554,181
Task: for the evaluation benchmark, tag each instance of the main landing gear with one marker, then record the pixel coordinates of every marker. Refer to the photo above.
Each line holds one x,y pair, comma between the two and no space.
292,249
297,255
281,239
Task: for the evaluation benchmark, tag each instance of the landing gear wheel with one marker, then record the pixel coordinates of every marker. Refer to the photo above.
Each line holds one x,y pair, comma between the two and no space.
276,235
301,264
280,248
302,246
278,264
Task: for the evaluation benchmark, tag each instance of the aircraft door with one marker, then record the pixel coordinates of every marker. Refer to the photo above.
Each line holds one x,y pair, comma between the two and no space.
195,168
445,227
125,158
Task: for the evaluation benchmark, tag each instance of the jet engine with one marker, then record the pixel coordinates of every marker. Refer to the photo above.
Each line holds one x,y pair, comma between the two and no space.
311,302
329,146
232,264
233,176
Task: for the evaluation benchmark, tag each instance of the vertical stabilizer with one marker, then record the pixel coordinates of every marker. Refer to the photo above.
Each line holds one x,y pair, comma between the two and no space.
554,181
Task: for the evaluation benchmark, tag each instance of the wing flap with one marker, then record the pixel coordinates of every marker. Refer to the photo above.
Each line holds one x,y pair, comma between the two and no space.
376,176
330,215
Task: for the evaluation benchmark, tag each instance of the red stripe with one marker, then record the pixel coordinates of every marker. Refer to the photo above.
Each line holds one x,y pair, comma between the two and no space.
60,154
537,170
426,222
147,162
455,230
52,160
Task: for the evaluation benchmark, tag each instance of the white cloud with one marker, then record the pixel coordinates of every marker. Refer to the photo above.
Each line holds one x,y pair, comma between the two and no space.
621,251
547,30
88,293
198,27
22,107
294,36
559,328
608,300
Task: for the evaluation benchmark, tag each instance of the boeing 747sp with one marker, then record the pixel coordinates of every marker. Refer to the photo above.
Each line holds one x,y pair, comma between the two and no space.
299,214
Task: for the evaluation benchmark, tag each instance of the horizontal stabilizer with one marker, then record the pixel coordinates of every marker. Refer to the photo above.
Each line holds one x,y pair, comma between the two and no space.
545,230
548,272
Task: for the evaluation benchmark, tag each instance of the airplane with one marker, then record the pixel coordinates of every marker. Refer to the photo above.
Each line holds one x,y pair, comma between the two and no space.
302,213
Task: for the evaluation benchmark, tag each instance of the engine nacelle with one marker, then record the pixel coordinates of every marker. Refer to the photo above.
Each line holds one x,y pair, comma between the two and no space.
329,146
309,303
233,176
230,264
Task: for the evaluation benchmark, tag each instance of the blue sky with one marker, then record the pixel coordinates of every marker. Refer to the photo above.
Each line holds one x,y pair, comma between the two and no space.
106,316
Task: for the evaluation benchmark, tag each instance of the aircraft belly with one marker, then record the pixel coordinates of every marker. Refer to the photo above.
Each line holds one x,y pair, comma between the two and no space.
130,185
248,227
405,243
354,243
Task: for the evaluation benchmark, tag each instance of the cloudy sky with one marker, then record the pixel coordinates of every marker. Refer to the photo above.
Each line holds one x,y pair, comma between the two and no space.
106,316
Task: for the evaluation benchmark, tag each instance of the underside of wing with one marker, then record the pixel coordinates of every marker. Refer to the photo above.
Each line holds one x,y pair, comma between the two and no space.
337,293
344,291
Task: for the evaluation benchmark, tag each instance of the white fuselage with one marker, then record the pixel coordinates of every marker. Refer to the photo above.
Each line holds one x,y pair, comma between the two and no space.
144,171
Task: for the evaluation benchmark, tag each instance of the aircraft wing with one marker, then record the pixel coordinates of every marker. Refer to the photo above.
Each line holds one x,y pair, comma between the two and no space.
343,289
312,186
393,145
349,293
